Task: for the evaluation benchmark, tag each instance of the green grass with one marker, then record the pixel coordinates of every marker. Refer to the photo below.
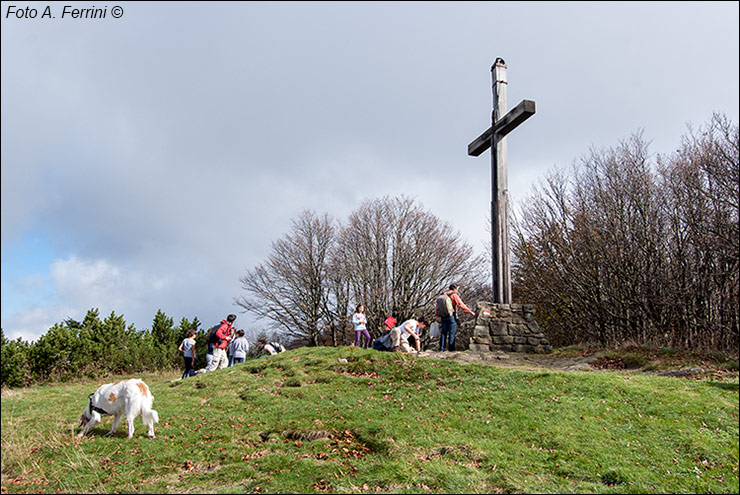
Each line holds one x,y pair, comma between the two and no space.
306,422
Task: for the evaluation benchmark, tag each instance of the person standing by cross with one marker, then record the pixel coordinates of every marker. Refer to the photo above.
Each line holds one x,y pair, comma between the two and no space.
446,312
494,138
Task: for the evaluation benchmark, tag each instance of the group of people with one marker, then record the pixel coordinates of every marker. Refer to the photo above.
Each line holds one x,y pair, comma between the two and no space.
396,338
226,346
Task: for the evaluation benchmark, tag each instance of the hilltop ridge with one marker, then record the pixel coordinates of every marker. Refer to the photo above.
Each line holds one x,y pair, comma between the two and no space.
340,420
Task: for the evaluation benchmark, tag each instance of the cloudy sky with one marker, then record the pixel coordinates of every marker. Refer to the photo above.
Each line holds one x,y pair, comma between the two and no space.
149,160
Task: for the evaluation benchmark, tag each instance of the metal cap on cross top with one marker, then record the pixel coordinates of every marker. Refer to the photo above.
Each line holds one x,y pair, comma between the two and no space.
494,137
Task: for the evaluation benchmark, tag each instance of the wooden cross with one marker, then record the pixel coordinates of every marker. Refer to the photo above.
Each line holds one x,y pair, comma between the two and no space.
494,138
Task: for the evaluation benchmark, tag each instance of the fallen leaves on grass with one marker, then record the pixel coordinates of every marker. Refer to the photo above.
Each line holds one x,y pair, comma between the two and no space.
605,363
255,455
322,486
346,445
360,374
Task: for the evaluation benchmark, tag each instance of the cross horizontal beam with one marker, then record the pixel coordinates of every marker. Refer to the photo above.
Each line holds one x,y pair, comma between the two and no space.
505,125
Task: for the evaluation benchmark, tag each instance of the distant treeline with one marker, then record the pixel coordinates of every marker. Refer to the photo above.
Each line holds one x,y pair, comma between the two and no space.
95,347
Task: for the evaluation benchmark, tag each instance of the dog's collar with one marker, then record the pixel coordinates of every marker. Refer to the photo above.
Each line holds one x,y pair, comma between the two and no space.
96,408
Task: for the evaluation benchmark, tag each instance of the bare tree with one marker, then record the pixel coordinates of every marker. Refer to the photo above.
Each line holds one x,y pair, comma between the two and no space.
337,303
702,183
545,267
290,289
397,257
392,256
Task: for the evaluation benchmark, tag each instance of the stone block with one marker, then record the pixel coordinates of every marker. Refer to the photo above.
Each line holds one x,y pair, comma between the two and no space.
486,310
481,331
499,328
520,340
533,327
479,347
502,347
481,340
503,339
518,329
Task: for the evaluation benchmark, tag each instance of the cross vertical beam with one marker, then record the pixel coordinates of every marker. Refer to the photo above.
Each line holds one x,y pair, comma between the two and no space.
495,138
499,191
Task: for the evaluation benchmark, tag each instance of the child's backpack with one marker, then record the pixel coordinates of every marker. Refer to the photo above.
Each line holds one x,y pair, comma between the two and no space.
444,306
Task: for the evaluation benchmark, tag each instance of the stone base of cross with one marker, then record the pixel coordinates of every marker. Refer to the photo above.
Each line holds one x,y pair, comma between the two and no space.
494,137
507,328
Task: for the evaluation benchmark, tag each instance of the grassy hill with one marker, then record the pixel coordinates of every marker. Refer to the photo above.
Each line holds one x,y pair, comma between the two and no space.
360,421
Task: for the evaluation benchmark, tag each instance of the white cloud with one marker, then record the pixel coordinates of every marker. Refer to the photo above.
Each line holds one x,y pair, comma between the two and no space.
74,276
82,284
100,284
31,323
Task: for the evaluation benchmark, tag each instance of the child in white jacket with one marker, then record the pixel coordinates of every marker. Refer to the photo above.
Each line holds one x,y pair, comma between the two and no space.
360,322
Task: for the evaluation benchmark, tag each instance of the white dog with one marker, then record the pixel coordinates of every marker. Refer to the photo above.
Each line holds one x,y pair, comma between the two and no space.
127,396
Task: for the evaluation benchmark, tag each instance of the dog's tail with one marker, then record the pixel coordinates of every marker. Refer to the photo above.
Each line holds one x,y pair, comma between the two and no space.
149,416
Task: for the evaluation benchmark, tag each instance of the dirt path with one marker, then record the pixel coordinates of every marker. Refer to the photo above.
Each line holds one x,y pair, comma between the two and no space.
596,361
517,360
